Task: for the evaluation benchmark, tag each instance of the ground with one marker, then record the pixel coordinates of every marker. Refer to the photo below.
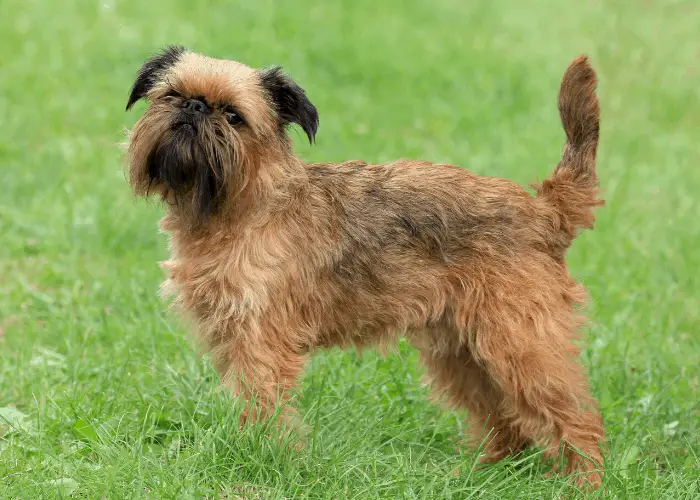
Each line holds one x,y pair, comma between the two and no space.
102,394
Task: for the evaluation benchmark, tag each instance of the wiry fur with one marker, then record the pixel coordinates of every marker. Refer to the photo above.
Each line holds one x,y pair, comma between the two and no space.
292,256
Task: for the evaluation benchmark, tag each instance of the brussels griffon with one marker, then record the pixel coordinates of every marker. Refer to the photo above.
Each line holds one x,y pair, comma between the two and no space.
272,257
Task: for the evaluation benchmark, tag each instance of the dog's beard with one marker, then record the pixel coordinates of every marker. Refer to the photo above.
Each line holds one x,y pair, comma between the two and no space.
188,171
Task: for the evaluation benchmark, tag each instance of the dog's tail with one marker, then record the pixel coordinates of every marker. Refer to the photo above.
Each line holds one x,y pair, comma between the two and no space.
573,187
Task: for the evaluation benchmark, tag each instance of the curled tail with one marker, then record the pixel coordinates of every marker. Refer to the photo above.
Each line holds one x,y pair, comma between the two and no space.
573,187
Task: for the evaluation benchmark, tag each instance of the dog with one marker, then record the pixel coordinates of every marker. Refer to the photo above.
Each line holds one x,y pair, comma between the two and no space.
272,258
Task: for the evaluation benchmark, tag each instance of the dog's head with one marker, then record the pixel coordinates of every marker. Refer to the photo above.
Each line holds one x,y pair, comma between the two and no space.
210,126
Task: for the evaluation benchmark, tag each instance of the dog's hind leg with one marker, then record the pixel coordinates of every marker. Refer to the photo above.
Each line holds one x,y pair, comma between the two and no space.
524,341
460,382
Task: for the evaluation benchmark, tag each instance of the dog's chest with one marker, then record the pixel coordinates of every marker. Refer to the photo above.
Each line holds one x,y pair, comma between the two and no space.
230,280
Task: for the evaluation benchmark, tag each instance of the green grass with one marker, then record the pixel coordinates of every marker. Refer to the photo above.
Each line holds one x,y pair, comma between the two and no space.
103,395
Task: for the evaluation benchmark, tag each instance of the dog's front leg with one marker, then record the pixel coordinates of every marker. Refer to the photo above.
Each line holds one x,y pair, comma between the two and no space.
263,374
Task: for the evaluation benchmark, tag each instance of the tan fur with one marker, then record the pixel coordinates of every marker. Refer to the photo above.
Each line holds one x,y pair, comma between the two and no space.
469,268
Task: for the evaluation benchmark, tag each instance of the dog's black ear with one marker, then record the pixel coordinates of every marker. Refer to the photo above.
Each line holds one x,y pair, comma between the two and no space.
290,101
152,70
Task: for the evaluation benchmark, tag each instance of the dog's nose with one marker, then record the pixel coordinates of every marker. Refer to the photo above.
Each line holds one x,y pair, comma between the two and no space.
195,107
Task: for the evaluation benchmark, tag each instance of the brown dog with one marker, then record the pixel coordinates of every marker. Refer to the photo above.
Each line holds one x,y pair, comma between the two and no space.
272,257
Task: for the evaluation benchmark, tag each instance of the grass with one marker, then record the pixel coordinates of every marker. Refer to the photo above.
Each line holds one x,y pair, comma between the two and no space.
102,395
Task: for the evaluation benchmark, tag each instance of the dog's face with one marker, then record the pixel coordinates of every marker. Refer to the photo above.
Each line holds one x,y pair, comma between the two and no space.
211,125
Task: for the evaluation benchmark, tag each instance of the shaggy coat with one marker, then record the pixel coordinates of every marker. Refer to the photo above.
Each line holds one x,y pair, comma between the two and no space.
272,257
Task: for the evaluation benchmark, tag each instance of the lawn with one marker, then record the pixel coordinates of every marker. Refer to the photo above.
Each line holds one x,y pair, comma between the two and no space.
104,395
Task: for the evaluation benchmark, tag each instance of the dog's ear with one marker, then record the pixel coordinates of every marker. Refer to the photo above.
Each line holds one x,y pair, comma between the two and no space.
152,70
290,101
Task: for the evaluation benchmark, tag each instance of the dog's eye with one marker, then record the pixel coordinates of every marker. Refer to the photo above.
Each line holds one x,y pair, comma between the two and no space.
232,116
172,93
